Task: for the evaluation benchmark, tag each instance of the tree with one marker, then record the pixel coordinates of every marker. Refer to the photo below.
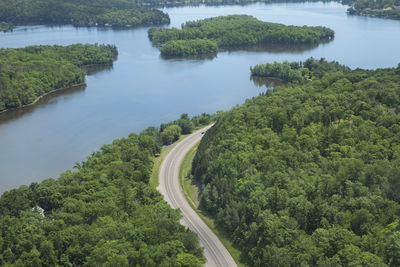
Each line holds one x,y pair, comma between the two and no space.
170,134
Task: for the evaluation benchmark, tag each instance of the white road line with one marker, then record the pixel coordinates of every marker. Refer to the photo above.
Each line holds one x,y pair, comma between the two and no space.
215,252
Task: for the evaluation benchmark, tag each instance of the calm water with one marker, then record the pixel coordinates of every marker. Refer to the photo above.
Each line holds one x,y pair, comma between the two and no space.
142,89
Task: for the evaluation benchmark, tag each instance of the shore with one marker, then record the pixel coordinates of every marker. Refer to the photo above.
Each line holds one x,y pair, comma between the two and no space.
41,96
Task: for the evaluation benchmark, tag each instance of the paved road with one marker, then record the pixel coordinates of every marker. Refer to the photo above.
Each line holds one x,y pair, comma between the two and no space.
215,253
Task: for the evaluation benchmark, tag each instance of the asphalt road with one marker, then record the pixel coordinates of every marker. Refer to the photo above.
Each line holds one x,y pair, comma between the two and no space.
214,251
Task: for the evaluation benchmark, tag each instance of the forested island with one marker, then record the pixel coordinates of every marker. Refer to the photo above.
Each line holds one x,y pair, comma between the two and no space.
383,9
104,213
308,174
115,13
224,32
28,73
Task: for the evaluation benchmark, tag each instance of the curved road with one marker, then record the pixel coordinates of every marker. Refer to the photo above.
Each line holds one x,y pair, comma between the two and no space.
215,253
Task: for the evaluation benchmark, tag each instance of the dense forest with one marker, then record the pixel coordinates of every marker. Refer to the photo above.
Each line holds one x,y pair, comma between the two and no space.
184,48
233,31
116,13
381,8
27,73
102,214
297,72
308,174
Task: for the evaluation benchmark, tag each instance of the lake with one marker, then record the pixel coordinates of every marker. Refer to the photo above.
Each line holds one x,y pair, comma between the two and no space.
141,89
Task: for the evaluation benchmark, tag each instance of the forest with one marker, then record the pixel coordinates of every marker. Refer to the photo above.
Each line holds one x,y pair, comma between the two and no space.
115,13
231,31
297,72
30,72
104,213
381,8
308,173
184,48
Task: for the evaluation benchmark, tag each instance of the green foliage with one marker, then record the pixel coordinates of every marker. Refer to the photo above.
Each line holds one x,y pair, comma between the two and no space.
195,47
118,13
308,174
171,131
103,214
170,134
27,73
233,31
188,260
297,72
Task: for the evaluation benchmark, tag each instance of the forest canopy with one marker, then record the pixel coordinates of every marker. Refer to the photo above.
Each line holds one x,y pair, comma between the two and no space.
308,174
233,31
104,213
28,73
116,13
297,72
185,48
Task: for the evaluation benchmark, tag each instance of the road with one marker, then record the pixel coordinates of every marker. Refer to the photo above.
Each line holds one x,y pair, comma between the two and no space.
214,251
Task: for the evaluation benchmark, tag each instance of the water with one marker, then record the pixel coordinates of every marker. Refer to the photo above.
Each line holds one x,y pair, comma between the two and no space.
142,89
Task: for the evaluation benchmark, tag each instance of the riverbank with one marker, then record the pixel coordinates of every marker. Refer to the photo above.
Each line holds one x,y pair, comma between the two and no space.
41,96
33,71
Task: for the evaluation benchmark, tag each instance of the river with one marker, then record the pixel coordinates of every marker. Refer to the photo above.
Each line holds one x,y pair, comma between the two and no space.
142,89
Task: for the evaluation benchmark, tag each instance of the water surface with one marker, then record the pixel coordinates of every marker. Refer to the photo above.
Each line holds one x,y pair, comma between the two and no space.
142,89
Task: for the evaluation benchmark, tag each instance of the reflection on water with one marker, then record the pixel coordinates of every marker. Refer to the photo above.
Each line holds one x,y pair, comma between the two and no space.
93,69
269,48
278,48
50,99
198,57
266,81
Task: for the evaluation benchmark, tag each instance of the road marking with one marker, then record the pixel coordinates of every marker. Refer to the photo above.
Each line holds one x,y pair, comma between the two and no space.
216,253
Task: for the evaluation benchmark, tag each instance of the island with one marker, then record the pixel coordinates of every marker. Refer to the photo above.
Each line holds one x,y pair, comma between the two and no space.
28,73
113,13
233,31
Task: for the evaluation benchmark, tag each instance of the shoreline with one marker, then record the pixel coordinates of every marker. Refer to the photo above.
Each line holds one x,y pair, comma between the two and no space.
41,96
83,67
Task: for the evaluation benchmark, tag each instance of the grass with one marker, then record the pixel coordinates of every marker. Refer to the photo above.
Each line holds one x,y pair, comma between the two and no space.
191,192
158,160
189,189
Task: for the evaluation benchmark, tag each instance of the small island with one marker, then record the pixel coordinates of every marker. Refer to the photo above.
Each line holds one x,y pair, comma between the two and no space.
28,73
113,13
233,31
